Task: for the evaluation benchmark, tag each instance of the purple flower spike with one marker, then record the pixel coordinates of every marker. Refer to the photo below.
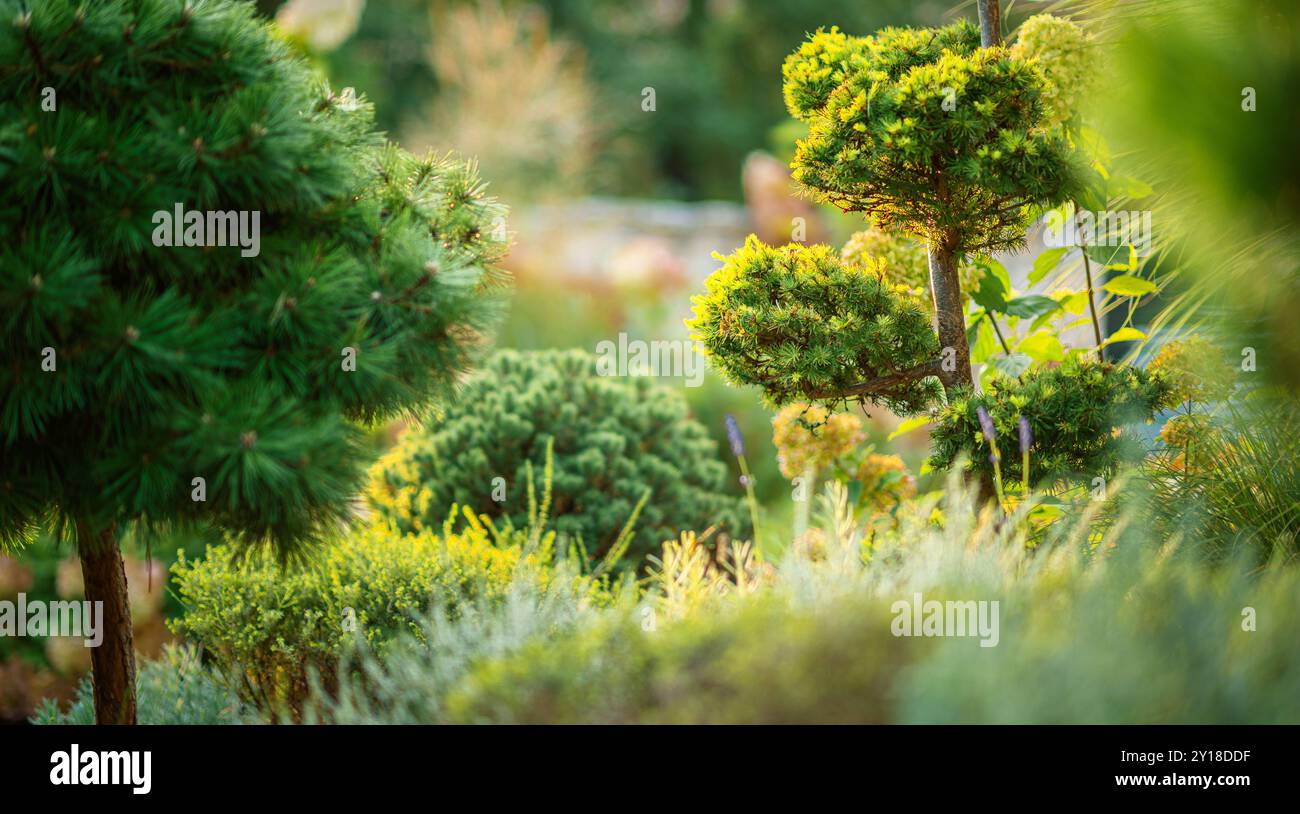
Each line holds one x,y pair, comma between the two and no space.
734,436
1026,435
986,424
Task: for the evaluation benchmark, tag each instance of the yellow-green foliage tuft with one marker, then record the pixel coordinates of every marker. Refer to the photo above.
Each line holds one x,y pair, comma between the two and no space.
268,625
1063,51
798,322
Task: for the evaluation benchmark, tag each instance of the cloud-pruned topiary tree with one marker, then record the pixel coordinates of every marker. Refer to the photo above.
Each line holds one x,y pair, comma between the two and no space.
929,133
148,379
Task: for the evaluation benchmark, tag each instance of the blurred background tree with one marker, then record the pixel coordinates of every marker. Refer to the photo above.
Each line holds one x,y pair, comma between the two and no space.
714,66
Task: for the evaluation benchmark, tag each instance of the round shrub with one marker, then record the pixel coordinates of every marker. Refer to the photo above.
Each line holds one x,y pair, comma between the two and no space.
927,132
615,439
801,324
1076,414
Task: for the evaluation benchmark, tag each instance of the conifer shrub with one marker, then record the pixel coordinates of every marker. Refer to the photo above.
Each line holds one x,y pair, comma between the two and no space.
1064,53
939,135
269,626
615,440
214,266
802,325
1077,413
882,140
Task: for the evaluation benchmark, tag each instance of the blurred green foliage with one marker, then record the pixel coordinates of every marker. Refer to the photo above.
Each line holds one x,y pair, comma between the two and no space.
705,59
174,689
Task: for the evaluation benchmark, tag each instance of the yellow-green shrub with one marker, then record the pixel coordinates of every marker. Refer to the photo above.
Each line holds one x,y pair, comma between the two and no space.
269,625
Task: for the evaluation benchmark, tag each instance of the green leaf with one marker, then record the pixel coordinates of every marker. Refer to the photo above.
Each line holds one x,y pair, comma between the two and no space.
1125,335
985,345
1032,305
1075,303
1045,262
855,491
909,425
992,294
1042,347
1126,285
1132,263
1012,366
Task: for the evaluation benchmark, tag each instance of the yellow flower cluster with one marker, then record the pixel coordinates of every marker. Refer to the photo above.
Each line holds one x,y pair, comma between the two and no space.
885,481
1195,368
809,435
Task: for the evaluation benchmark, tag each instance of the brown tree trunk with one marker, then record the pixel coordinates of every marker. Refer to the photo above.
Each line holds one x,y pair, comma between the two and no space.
990,23
949,318
950,325
113,661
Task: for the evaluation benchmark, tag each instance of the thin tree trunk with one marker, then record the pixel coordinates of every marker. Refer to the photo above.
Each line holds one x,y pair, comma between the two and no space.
949,317
950,325
113,661
990,23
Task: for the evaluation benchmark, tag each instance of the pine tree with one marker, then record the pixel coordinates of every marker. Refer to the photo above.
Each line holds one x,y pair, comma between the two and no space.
147,380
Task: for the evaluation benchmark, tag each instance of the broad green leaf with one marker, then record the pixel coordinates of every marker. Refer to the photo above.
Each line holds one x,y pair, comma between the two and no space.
1013,365
992,294
1045,262
1129,265
995,268
1076,303
909,425
1032,305
985,344
1126,285
1125,335
1042,347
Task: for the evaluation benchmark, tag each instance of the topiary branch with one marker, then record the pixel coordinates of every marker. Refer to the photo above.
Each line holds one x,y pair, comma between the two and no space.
882,385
